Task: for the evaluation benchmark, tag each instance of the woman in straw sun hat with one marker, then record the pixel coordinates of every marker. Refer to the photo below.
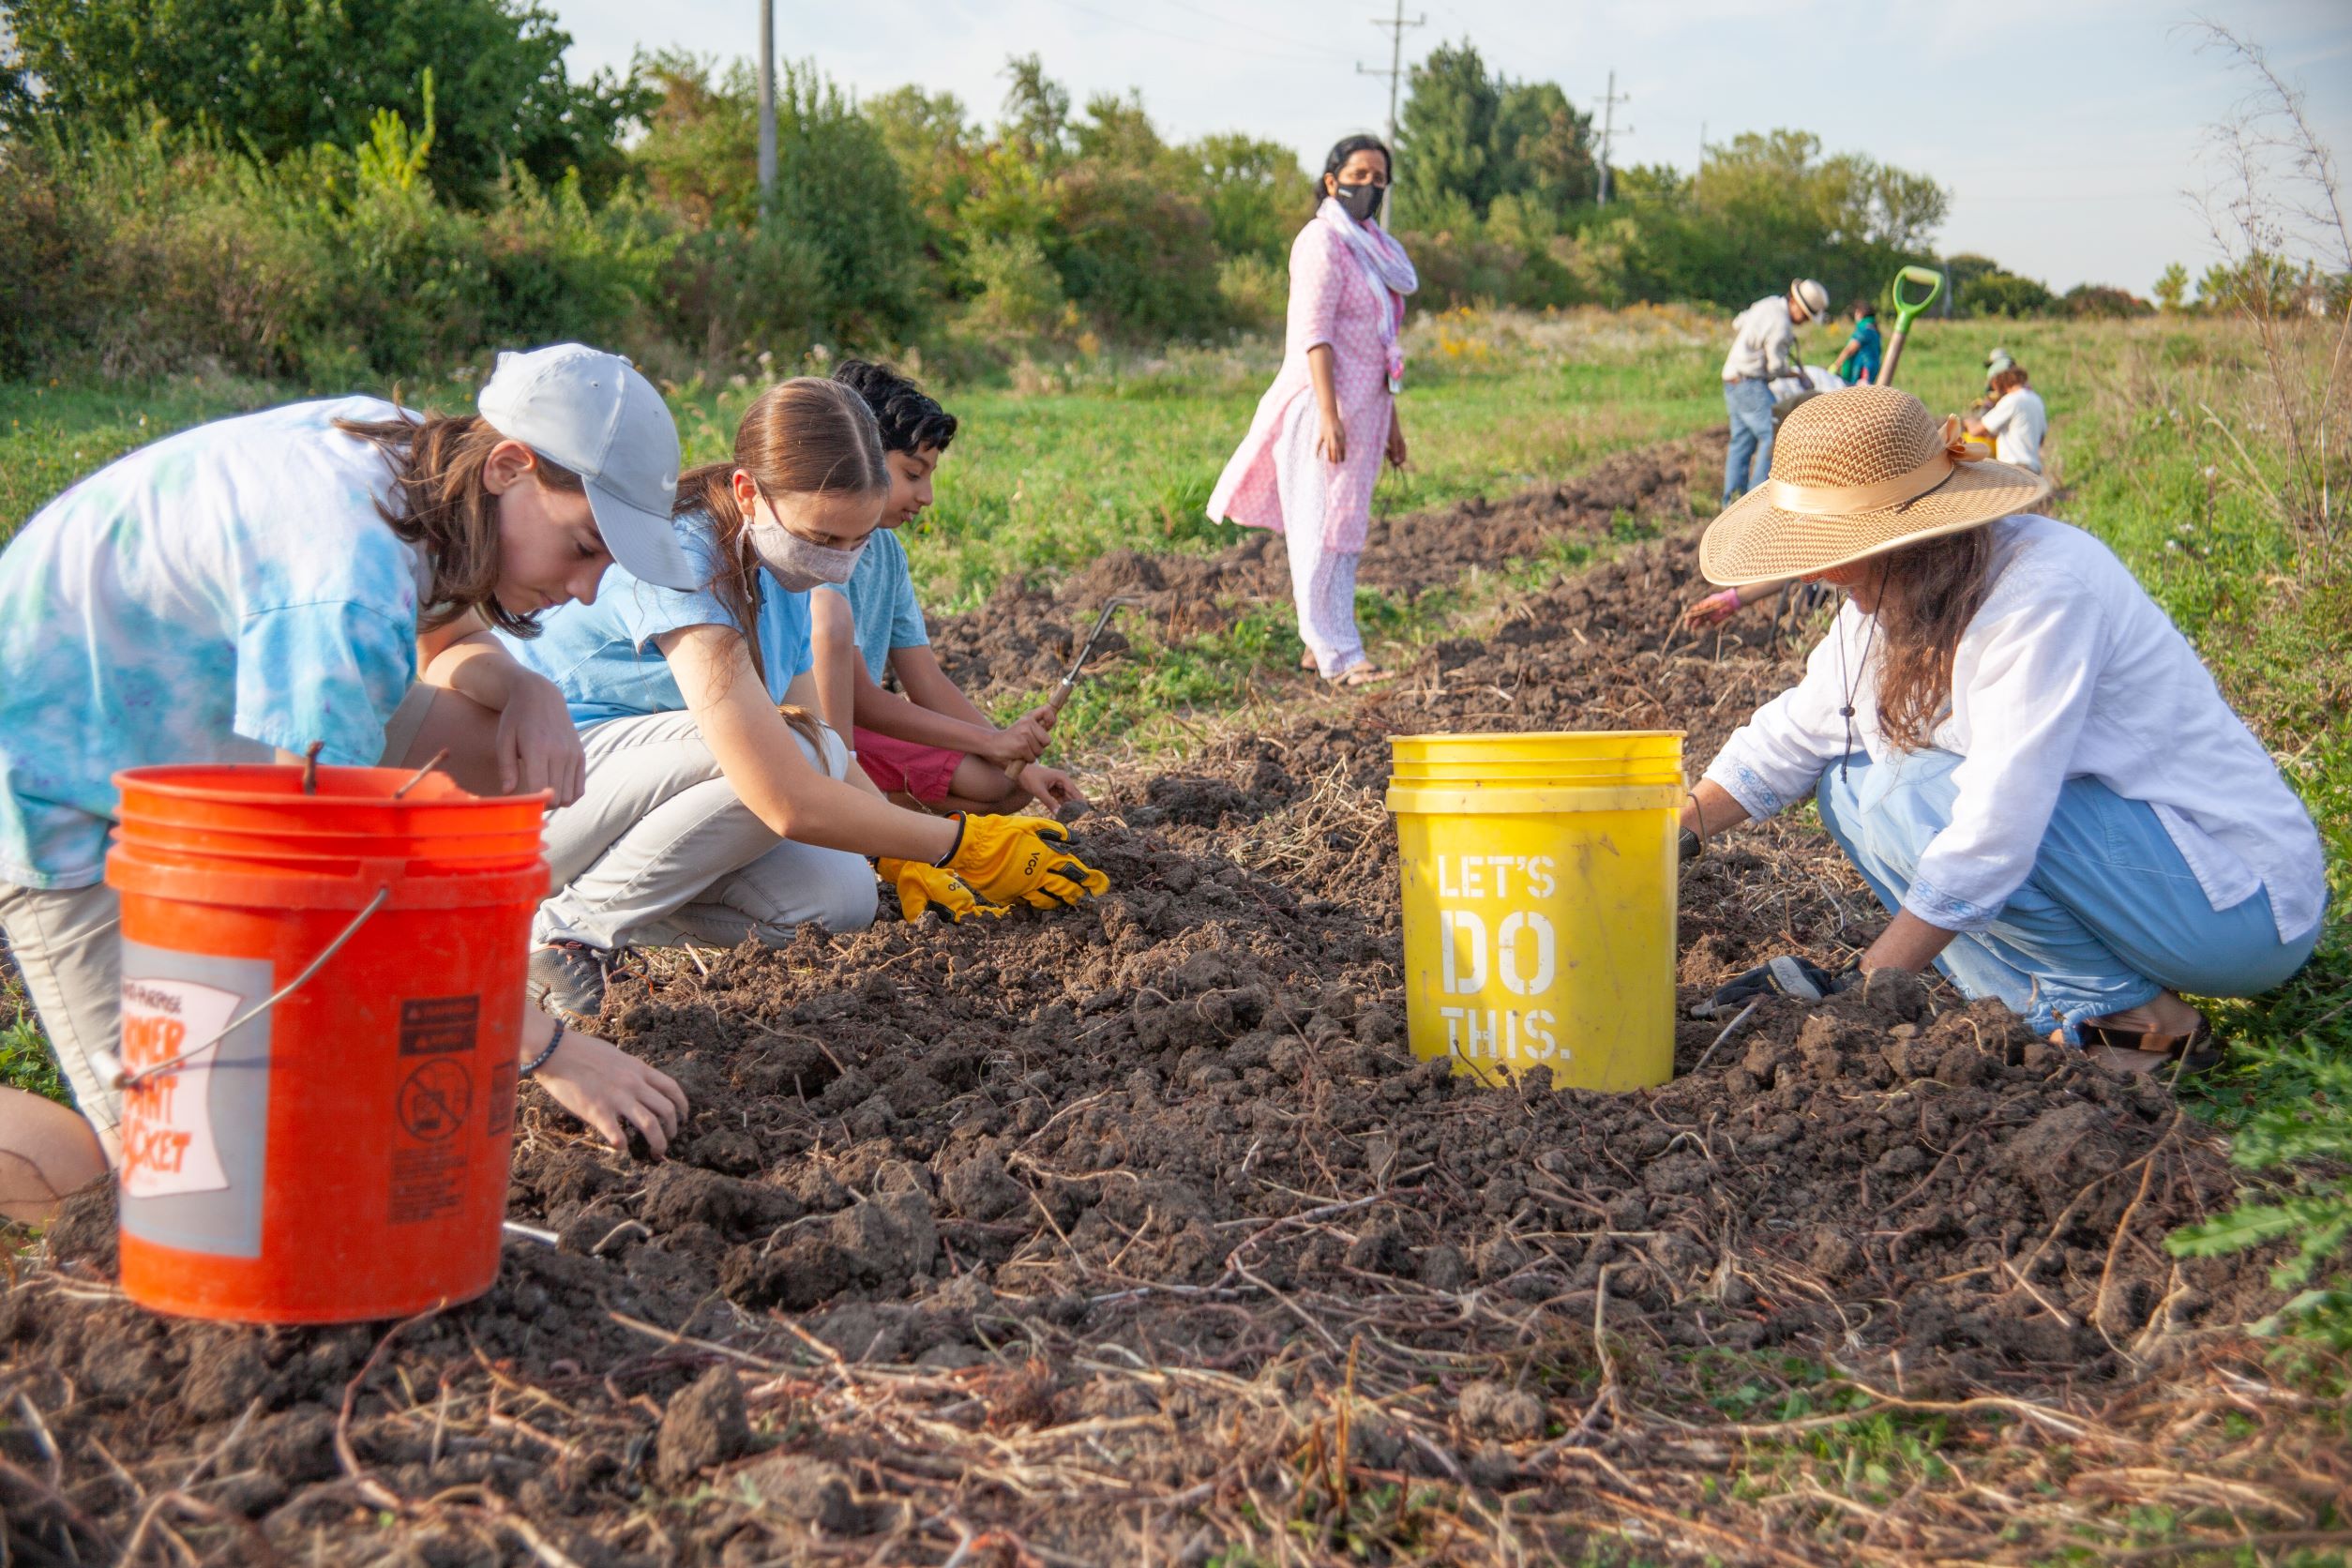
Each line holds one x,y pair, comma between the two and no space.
2014,744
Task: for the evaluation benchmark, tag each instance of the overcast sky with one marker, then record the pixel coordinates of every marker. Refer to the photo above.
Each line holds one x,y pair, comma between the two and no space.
2066,130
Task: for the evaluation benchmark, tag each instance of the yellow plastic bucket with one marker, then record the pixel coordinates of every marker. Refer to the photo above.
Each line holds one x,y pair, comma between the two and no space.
1539,883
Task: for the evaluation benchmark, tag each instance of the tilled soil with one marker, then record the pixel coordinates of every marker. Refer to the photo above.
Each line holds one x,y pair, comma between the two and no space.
1133,1232
1024,638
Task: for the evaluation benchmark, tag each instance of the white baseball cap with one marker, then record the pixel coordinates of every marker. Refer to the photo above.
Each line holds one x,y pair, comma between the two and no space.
1814,299
592,413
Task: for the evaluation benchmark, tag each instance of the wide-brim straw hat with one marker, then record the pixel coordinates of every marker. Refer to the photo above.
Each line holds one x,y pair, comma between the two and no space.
1856,474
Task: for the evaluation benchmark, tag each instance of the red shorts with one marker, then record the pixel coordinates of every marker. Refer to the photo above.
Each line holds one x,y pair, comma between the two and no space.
923,772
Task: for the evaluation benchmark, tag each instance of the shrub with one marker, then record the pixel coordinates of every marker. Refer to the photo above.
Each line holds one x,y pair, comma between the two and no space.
730,295
276,80
333,267
1134,255
2004,294
1017,290
1253,292
845,236
2098,299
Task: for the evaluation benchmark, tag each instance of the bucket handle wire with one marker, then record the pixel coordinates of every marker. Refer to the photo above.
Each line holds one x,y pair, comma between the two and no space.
127,1081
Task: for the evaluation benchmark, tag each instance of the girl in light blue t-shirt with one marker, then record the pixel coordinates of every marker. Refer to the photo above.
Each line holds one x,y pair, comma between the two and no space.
709,812
249,588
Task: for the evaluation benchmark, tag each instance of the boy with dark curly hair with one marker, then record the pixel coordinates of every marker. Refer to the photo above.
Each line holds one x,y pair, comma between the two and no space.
930,747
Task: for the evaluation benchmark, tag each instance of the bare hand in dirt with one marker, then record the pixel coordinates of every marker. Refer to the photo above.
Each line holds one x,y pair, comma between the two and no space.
1053,787
1023,741
614,1092
1331,439
1712,611
538,745
1395,442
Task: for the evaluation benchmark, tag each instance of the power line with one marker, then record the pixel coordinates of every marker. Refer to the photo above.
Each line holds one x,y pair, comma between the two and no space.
1395,26
1314,49
1225,46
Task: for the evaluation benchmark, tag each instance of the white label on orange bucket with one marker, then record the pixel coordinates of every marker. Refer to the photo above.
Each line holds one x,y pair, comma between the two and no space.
167,1132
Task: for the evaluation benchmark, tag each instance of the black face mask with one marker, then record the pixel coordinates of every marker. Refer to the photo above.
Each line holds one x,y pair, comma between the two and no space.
1361,200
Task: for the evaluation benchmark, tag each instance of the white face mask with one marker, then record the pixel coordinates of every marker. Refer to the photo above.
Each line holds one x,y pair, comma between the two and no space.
798,565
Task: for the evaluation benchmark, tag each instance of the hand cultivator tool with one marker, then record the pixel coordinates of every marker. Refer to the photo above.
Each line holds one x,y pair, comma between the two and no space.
1068,683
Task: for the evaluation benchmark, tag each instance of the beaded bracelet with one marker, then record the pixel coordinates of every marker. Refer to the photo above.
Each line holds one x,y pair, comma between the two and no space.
553,1041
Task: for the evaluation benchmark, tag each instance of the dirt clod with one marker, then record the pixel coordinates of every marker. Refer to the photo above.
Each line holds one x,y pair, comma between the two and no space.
704,1425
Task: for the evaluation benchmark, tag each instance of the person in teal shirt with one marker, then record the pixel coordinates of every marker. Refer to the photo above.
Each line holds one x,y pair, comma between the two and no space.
1859,360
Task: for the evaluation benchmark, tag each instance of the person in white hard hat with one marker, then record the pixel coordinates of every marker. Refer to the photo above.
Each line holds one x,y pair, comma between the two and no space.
322,573
1763,351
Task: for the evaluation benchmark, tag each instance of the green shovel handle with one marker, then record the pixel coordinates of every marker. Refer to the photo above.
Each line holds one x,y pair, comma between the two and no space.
1907,310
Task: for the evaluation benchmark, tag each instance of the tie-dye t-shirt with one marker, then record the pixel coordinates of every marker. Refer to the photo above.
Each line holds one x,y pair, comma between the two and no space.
225,592
602,656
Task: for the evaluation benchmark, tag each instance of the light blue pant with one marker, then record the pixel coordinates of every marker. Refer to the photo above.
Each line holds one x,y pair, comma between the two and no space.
2110,916
1749,403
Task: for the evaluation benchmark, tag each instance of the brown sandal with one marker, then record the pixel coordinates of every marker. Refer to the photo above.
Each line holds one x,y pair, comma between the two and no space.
2194,1050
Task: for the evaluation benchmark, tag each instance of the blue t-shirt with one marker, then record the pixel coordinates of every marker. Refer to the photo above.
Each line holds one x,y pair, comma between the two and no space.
602,654
1867,354
881,600
227,592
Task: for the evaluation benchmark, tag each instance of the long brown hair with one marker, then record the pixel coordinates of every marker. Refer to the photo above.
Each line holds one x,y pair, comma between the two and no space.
1928,593
443,506
806,436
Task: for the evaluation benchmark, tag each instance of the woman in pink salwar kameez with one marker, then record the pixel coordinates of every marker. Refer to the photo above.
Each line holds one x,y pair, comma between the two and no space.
1306,468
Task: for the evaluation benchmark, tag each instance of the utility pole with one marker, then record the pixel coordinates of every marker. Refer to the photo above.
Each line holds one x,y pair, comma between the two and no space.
768,106
1395,26
1610,132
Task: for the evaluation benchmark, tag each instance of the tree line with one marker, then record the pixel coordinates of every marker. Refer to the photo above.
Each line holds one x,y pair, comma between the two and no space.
321,189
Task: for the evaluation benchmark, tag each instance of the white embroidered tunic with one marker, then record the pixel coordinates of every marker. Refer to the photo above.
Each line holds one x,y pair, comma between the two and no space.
2068,671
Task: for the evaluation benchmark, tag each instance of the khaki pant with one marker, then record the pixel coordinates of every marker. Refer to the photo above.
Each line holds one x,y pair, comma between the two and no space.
660,848
66,945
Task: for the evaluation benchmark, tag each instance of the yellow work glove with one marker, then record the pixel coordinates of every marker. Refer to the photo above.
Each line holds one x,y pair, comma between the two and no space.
921,886
1004,858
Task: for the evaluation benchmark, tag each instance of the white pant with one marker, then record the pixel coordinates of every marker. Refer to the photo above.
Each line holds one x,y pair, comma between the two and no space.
1323,580
659,848
66,945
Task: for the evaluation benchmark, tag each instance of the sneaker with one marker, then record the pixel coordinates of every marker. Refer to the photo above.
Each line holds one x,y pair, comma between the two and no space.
567,978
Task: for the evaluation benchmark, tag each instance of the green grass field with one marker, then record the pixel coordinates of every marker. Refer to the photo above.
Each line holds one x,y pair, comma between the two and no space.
1076,458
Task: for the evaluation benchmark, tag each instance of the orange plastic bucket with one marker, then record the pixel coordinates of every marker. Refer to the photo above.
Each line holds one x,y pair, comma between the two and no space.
343,1153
